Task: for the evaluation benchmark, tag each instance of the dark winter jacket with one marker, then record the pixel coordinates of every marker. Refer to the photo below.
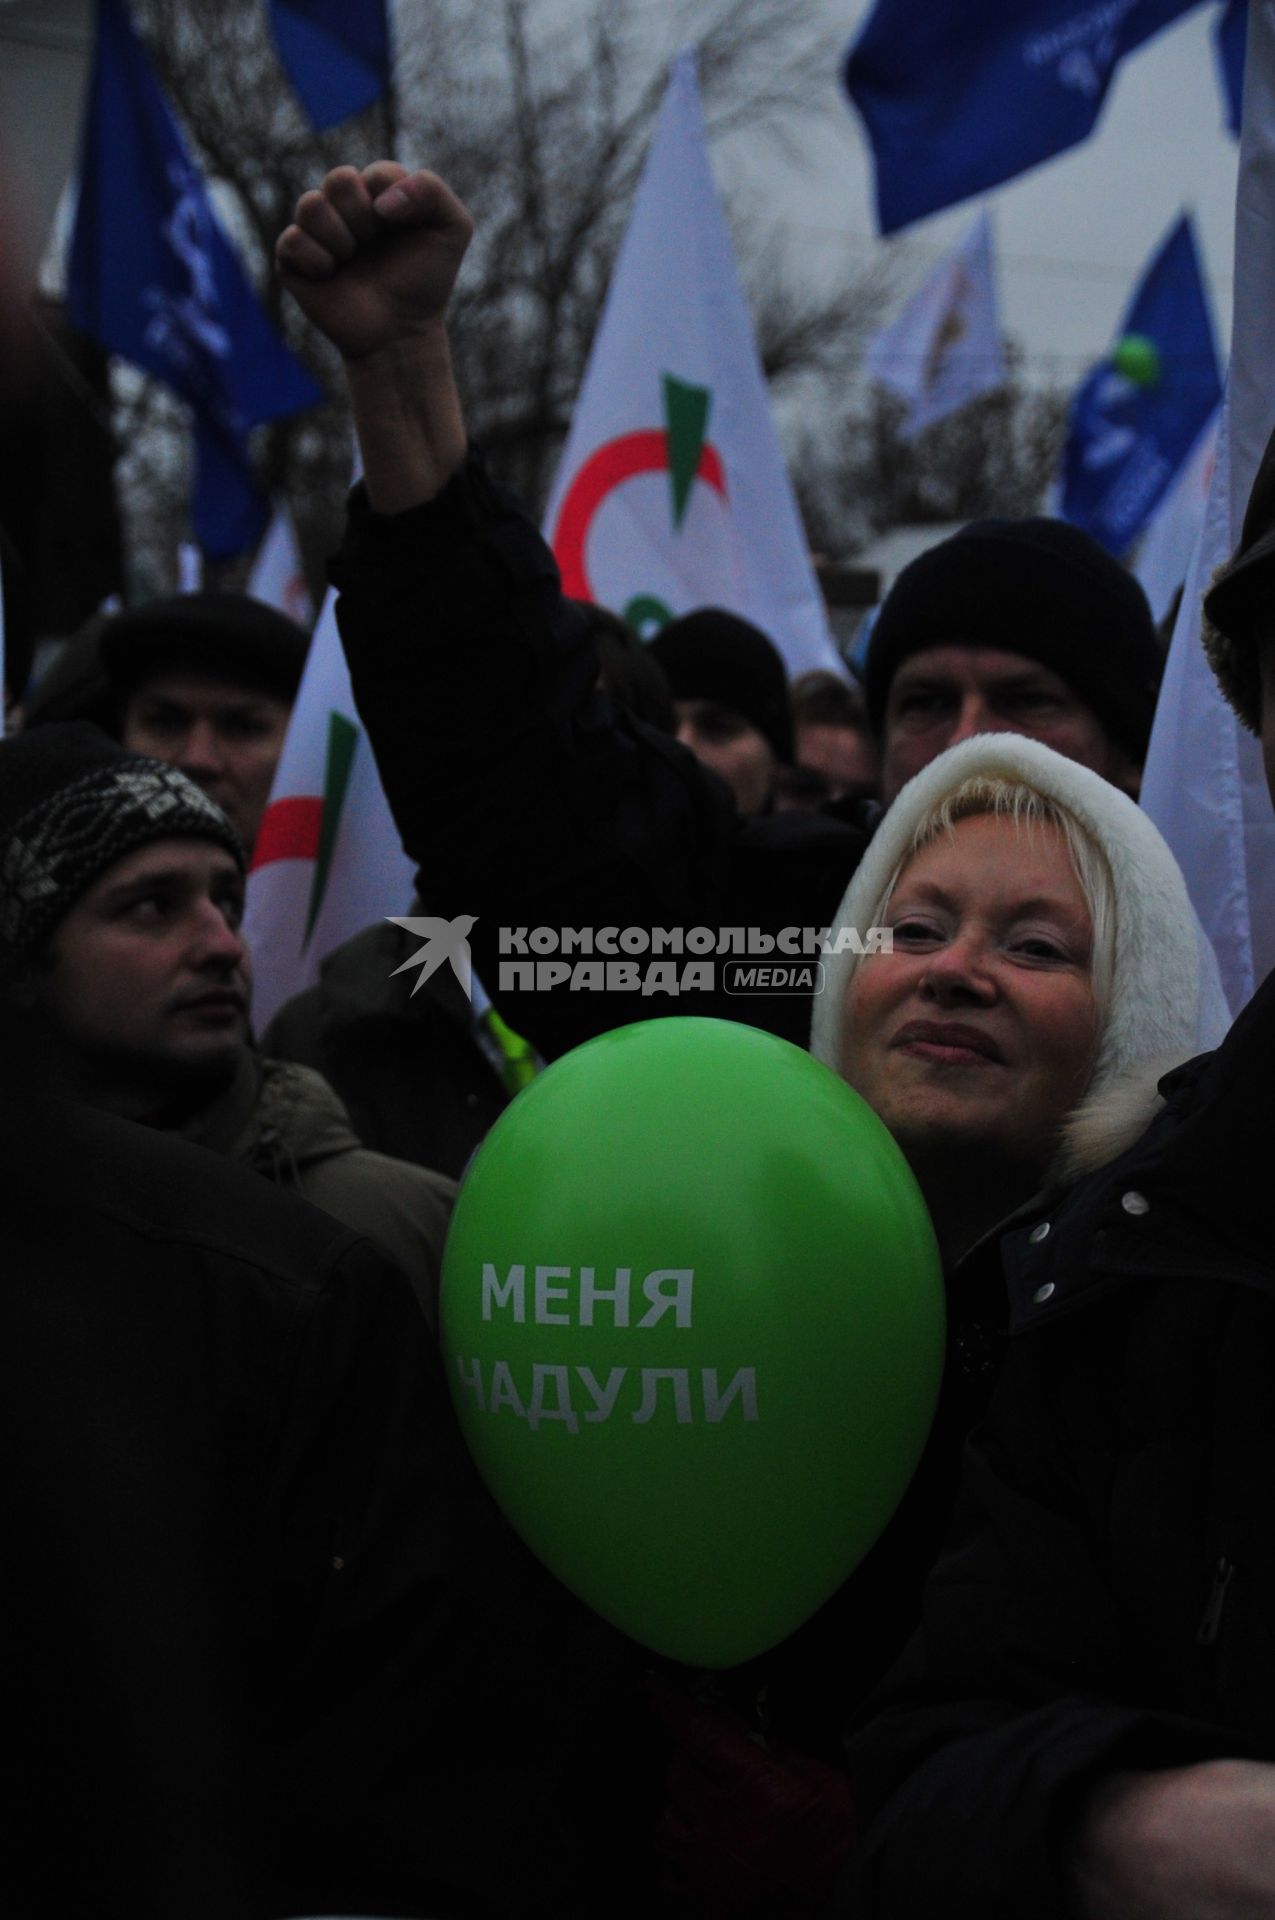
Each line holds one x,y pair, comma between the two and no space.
268,1647
406,1064
286,1123
1106,1597
525,798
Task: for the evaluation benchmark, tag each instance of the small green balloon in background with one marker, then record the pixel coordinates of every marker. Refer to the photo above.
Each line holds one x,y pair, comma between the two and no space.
1138,358
693,1320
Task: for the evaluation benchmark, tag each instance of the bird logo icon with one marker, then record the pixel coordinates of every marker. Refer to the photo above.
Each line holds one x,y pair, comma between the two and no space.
444,940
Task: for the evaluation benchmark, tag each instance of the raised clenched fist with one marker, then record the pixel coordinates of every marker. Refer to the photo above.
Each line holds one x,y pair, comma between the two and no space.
371,256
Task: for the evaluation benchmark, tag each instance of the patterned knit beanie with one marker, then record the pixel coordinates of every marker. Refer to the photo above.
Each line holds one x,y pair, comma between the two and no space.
72,803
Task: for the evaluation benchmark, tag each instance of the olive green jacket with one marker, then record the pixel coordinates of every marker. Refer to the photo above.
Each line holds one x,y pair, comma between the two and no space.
286,1122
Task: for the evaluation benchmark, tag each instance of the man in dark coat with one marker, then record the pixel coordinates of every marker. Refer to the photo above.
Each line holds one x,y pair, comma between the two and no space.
268,1647
1087,1724
527,800
121,894
206,683
238,1498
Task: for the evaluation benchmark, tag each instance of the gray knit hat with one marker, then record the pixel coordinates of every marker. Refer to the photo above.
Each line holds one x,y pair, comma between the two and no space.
72,803
1239,607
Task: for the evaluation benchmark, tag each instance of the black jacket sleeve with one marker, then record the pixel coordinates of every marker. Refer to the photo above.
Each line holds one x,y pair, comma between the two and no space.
522,794
1032,1675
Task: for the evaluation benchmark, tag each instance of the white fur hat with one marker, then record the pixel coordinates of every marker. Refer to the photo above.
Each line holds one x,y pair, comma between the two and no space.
1166,994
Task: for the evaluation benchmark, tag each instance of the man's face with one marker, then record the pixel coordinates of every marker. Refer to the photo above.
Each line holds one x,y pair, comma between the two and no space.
225,736
943,695
847,757
737,751
147,981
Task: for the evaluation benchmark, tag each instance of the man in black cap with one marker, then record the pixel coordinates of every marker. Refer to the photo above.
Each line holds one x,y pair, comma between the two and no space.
524,797
206,681
1014,626
730,696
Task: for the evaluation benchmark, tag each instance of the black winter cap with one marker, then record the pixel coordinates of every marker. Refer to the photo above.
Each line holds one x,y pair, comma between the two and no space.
714,655
1041,588
72,803
225,633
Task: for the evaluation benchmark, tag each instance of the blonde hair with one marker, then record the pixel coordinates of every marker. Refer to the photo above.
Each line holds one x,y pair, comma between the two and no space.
983,794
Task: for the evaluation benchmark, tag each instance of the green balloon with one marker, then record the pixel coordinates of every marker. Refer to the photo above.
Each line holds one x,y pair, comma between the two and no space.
692,1316
1138,358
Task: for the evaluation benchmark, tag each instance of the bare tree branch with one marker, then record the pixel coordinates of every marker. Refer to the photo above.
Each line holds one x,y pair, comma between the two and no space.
541,120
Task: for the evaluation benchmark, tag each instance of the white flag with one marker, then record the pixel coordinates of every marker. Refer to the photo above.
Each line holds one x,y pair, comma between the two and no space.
277,575
327,862
1164,558
945,348
672,491
1204,785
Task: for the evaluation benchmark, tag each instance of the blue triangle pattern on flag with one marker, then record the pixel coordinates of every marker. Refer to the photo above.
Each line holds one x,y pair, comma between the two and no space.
958,99
336,53
152,277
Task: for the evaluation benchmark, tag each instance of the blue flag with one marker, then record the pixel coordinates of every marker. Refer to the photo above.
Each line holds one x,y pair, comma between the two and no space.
335,52
153,278
1139,413
957,98
1230,34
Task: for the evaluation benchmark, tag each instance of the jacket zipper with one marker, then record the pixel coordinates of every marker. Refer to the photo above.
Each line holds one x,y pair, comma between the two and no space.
1215,1606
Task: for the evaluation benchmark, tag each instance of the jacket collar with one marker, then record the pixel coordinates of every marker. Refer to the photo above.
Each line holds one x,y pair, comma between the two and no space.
1189,1199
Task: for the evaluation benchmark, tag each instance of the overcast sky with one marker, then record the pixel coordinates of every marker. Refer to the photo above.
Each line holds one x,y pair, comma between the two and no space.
1072,235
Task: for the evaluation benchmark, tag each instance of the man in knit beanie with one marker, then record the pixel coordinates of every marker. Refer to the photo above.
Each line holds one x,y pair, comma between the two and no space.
730,695
74,806
1014,626
127,984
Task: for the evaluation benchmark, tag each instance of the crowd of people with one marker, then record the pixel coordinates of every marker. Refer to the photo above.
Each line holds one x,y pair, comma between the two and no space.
272,1649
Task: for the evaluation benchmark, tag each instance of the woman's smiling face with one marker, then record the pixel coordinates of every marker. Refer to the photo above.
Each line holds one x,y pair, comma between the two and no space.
981,1026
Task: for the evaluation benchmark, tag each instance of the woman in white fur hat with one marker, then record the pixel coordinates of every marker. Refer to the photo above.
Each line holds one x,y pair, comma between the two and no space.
1045,968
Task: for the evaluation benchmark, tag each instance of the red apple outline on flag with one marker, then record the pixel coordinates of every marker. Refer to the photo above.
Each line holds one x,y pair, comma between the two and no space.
606,469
